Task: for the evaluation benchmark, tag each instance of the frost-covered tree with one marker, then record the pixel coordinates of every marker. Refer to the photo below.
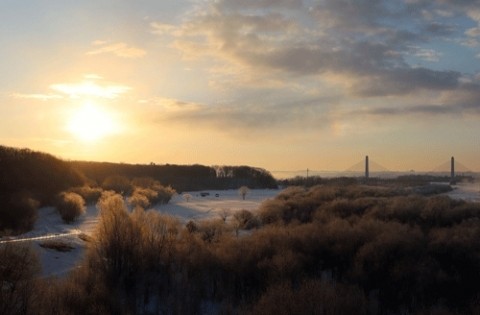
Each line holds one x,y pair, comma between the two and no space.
187,197
243,191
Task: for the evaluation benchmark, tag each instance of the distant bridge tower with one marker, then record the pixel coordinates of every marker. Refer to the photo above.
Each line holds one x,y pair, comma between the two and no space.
366,168
452,170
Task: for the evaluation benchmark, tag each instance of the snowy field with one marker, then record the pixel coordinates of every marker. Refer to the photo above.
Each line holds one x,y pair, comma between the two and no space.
466,191
207,207
50,226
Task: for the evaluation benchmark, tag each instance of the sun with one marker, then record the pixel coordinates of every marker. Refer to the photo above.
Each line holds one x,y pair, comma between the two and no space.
91,123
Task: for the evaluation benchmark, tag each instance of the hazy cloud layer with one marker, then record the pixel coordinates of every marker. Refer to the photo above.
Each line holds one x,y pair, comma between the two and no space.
362,49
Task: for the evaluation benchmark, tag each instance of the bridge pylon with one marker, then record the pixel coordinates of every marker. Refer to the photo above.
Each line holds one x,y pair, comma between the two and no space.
452,170
367,168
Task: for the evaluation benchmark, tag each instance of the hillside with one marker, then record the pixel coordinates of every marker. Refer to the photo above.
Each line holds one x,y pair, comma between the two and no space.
30,179
40,175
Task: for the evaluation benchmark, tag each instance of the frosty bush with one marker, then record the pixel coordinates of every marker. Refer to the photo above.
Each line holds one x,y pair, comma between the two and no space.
89,194
70,206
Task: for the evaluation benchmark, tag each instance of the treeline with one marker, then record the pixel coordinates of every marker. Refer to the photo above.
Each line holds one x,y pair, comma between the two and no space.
324,250
182,177
422,184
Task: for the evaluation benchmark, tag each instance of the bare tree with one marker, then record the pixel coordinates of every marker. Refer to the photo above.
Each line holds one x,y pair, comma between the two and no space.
243,191
19,266
224,214
187,197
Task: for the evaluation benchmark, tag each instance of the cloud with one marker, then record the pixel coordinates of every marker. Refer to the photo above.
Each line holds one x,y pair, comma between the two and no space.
118,49
249,116
360,49
260,4
162,28
427,54
408,80
462,101
90,88
35,96
473,32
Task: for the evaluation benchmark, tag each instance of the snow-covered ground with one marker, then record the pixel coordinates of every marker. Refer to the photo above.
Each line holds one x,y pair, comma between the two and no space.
466,191
211,206
50,226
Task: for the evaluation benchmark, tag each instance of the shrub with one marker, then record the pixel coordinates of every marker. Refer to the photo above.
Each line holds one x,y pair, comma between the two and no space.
224,214
89,194
18,213
116,250
164,194
70,206
191,227
146,197
244,219
312,297
117,183
139,199
211,230
272,211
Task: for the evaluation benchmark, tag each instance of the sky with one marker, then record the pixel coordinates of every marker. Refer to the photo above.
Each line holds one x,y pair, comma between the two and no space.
278,84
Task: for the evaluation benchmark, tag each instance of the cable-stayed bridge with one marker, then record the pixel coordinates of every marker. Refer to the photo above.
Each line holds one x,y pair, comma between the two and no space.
367,167
446,167
371,168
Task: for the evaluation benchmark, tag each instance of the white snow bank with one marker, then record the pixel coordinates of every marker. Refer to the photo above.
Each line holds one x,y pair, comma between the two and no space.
466,191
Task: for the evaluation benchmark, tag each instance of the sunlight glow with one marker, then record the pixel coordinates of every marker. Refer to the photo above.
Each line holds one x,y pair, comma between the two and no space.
91,123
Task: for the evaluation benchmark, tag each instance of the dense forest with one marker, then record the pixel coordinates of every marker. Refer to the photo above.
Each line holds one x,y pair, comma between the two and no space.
329,249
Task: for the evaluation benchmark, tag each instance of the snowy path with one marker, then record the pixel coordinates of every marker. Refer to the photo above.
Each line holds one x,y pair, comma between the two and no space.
39,238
